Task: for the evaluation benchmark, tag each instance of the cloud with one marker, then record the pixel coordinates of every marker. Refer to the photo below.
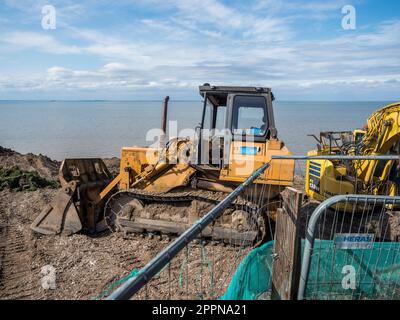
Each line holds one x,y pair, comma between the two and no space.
30,11
39,42
219,44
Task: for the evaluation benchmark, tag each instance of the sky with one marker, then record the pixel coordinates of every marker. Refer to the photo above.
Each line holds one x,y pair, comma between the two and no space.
146,49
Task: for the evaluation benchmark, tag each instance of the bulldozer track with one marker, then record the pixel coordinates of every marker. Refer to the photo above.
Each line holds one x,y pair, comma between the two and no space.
180,197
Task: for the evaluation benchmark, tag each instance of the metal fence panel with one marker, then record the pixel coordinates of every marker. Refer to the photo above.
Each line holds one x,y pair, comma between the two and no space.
350,242
352,255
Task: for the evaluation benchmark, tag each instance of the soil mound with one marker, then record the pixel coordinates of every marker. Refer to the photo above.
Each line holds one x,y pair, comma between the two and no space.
45,166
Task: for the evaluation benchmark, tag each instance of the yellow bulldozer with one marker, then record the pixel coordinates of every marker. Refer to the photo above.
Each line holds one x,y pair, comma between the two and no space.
380,137
165,189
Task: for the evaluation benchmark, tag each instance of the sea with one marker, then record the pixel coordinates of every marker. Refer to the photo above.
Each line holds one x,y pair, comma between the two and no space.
67,129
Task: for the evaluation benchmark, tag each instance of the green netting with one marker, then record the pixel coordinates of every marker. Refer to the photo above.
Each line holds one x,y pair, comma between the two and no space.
115,284
377,273
252,279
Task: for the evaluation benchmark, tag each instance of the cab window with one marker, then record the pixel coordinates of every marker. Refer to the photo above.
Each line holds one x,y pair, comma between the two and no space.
249,116
220,119
207,124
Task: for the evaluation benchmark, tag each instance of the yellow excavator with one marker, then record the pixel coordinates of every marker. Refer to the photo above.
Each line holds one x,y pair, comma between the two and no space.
381,136
165,189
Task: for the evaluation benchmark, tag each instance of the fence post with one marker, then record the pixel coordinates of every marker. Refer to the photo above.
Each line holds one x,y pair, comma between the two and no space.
287,247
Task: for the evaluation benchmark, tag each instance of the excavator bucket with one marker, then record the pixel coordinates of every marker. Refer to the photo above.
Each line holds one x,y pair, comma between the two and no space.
77,206
62,216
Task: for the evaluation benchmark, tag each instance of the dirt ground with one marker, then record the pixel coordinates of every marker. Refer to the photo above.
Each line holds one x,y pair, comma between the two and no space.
87,266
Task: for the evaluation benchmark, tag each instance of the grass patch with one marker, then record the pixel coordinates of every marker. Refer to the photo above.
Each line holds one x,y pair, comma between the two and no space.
16,179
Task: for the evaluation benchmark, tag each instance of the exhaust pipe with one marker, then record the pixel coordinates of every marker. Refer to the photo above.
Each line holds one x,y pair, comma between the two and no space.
164,122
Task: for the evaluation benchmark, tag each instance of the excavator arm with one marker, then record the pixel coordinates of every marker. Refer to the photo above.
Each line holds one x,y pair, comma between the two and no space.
381,138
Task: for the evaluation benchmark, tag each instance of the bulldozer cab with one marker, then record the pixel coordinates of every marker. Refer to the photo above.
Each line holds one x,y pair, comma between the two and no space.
233,114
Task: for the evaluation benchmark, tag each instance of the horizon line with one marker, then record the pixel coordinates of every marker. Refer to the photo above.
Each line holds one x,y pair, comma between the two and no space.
175,100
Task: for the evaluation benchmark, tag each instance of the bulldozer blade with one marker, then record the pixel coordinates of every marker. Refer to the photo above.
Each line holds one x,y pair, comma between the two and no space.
61,216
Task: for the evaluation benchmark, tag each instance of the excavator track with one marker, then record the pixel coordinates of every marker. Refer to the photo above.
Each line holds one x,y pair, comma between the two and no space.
171,214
